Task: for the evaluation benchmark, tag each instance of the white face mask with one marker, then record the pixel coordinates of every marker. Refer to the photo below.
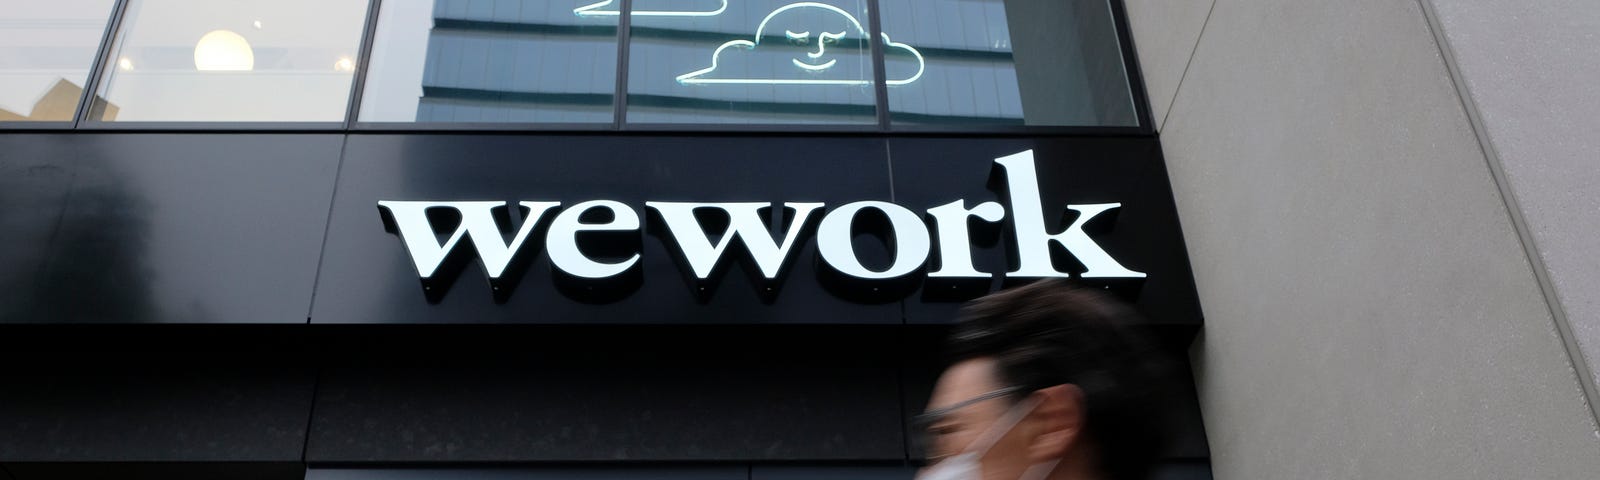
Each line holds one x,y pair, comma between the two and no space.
967,465
960,467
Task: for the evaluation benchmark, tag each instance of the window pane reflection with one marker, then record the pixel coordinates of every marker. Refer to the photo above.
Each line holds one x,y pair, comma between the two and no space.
256,60
747,61
46,50
1008,62
491,61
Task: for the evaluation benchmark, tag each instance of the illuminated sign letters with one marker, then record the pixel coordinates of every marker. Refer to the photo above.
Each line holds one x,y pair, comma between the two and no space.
910,240
951,220
484,225
745,223
477,222
563,239
1033,242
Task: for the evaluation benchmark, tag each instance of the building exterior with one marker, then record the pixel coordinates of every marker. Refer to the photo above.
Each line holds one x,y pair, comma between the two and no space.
1383,203
722,239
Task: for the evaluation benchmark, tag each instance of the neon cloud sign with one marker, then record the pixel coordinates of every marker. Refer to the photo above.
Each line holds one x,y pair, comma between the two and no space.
599,9
809,67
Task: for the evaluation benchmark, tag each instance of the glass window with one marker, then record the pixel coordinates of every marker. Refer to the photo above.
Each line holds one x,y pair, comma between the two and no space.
748,61
240,60
1008,62
491,61
46,49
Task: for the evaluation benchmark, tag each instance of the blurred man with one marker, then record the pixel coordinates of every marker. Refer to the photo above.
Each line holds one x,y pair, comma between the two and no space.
1046,382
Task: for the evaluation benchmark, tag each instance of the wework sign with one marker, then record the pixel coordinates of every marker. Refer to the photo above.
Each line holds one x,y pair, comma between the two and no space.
433,232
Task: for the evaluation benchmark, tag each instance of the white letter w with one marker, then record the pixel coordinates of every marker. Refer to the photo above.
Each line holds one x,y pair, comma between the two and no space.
477,221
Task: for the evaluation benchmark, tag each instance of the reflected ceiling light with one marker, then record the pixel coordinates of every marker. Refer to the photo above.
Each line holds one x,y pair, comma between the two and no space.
257,23
222,50
125,64
345,64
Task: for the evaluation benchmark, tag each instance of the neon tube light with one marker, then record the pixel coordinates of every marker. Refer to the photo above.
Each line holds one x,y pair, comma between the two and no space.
695,77
594,10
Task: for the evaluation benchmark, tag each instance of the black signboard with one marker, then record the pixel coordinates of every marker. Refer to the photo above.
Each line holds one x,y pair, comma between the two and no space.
369,275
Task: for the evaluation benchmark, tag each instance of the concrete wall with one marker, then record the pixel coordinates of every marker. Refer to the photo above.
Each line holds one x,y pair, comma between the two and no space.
1530,70
1165,33
1371,309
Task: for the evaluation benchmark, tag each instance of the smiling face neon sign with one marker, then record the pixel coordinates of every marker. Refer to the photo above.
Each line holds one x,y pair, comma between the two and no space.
823,40
814,62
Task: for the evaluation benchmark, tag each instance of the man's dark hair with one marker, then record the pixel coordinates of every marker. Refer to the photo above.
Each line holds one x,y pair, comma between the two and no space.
1048,333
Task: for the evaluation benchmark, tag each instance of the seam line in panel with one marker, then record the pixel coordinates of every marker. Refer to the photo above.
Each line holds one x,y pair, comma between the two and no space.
327,226
311,418
1186,64
1524,232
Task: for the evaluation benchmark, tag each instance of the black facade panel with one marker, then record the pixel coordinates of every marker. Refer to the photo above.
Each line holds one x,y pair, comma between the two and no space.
36,172
367,276
836,473
546,473
169,228
629,393
237,228
134,409
154,470
1186,424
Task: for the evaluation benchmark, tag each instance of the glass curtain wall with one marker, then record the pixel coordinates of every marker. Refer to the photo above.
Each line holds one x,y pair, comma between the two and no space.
232,61
945,63
1007,62
527,61
46,51
750,61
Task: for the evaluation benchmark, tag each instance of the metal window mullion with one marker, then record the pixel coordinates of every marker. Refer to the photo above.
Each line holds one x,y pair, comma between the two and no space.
92,84
619,99
358,84
880,84
1130,66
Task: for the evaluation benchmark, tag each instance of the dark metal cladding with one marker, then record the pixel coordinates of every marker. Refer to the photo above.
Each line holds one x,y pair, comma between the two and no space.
164,228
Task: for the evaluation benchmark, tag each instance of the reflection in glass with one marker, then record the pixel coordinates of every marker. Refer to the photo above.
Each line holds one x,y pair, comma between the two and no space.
46,50
491,61
243,60
1008,62
751,61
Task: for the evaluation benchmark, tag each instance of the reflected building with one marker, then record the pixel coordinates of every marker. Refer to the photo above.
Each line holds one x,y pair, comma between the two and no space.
945,62
531,62
60,102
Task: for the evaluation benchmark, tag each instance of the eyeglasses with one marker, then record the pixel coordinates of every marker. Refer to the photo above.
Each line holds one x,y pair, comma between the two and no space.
927,426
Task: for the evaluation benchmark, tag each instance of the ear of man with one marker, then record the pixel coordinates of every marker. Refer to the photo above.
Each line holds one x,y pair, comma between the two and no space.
1057,423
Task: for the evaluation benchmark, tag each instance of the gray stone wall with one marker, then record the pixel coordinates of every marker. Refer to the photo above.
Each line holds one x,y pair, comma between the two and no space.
1532,73
1372,310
